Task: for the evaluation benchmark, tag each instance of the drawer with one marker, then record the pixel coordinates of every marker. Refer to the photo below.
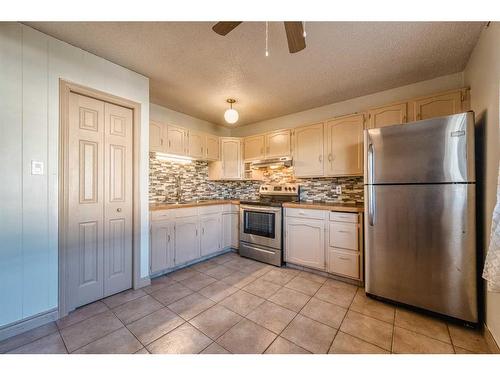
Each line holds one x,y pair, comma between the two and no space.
344,216
161,215
343,263
212,209
185,212
343,235
310,214
227,208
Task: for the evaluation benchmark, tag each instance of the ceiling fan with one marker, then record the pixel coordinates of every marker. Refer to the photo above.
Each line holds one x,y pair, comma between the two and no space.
294,33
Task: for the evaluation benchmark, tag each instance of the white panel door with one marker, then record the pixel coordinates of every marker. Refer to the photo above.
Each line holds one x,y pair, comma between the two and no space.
227,230
187,240
85,241
162,257
305,242
118,182
211,234
308,151
235,230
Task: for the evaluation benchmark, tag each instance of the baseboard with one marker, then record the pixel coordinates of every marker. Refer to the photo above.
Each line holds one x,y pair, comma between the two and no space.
142,282
490,340
325,274
28,324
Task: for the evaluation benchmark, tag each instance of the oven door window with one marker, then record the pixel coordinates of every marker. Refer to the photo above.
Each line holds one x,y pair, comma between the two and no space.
259,223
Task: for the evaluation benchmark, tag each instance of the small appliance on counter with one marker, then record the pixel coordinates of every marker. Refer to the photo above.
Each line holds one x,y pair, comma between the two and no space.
261,223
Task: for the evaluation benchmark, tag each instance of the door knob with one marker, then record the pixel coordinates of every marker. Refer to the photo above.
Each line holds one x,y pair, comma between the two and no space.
118,210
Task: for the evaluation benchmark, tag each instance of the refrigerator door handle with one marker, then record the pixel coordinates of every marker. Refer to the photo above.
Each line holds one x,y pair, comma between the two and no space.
370,163
371,196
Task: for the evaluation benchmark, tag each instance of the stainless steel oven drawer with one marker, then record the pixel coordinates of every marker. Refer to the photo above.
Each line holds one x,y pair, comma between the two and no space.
261,253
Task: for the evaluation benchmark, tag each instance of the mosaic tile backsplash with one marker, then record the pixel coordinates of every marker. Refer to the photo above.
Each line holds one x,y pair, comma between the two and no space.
195,184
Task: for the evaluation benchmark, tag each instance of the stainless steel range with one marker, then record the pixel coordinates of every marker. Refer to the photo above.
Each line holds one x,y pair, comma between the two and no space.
261,223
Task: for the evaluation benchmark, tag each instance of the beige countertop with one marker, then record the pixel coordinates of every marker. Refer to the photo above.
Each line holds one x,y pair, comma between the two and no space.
167,206
342,207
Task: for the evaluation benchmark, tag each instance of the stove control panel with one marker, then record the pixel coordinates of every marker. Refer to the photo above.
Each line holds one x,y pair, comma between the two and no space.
279,189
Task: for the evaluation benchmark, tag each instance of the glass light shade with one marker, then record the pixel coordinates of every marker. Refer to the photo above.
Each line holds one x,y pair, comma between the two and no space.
231,115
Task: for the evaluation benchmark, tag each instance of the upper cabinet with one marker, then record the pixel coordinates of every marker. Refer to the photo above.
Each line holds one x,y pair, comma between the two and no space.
308,151
392,114
230,166
447,103
344,146
278,143
254,147
155,137
197,145
212,147
176,140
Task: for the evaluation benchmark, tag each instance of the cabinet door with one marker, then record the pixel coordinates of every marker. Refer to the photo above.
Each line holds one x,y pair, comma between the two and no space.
388,115
308,151
155,137
162,256
197,145
344,146
212,147
344,263
210,234
235,230
305,242
187,240
278,144
231,158
439,105
227,230
176,140
254,148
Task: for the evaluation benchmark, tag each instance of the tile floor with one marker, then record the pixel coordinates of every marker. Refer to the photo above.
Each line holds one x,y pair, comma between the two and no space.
230,304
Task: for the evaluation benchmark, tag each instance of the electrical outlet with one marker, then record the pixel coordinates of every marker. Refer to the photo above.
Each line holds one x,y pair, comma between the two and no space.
338,189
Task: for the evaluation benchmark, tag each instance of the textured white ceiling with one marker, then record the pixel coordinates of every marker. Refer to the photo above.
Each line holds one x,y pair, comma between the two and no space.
193,70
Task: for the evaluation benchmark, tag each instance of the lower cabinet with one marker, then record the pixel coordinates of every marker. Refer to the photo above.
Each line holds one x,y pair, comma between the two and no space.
230,230
305,242
211,234
187,240
162,246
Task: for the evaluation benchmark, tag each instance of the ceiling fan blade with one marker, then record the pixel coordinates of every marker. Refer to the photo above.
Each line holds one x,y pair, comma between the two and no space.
223,28
295,36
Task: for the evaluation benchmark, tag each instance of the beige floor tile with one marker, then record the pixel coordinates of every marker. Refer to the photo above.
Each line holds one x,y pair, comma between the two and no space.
347,344
262,288
324,312
137,309
197,282
27,337
256,269
281,276
219,272
420,323
271,316
155,325
190,306
215,321
81,314
407,342
368,329
238,279
159,283
183,340
371,307
224,258
246,337
118,342
51,344
242,302
215,348
312,276
123,297
172,293
205,265
218,291
290,299
91,329
283,346
467,338
309,334
337,292
304,285
182,274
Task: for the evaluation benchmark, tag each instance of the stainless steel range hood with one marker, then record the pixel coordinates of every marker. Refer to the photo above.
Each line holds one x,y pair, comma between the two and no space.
285,161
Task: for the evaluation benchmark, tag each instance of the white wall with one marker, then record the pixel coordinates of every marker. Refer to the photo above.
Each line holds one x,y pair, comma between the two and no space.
449,82
168,116
482,74
31,64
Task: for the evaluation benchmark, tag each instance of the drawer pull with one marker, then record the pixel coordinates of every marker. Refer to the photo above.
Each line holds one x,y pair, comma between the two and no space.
344,258
343,231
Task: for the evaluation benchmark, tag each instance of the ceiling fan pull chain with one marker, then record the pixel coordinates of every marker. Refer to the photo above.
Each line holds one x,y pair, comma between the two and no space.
267,37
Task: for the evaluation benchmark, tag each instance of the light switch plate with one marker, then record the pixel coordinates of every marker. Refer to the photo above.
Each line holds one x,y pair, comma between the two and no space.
36,167
338,189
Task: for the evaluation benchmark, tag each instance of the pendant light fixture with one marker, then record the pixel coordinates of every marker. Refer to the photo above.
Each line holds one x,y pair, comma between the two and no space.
231,115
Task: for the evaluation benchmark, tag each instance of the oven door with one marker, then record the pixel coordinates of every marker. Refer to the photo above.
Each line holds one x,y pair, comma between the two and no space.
261,225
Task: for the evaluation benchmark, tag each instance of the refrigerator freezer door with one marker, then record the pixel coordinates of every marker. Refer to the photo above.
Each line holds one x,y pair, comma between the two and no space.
420,247
430,151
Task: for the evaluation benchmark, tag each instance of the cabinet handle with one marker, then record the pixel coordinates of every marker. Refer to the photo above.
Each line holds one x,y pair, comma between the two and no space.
320,158
196,232
343,258
169,143
404,118
161,141
418,116
343,231
118,210
203,230
168,237
330,158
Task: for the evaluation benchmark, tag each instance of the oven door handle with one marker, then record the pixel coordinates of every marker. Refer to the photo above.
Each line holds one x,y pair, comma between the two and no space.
259,208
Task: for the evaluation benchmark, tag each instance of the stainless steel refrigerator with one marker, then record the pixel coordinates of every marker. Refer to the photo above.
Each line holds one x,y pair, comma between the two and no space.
420,228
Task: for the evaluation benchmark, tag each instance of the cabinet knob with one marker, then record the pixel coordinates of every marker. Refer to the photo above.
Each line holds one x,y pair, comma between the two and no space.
118,210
